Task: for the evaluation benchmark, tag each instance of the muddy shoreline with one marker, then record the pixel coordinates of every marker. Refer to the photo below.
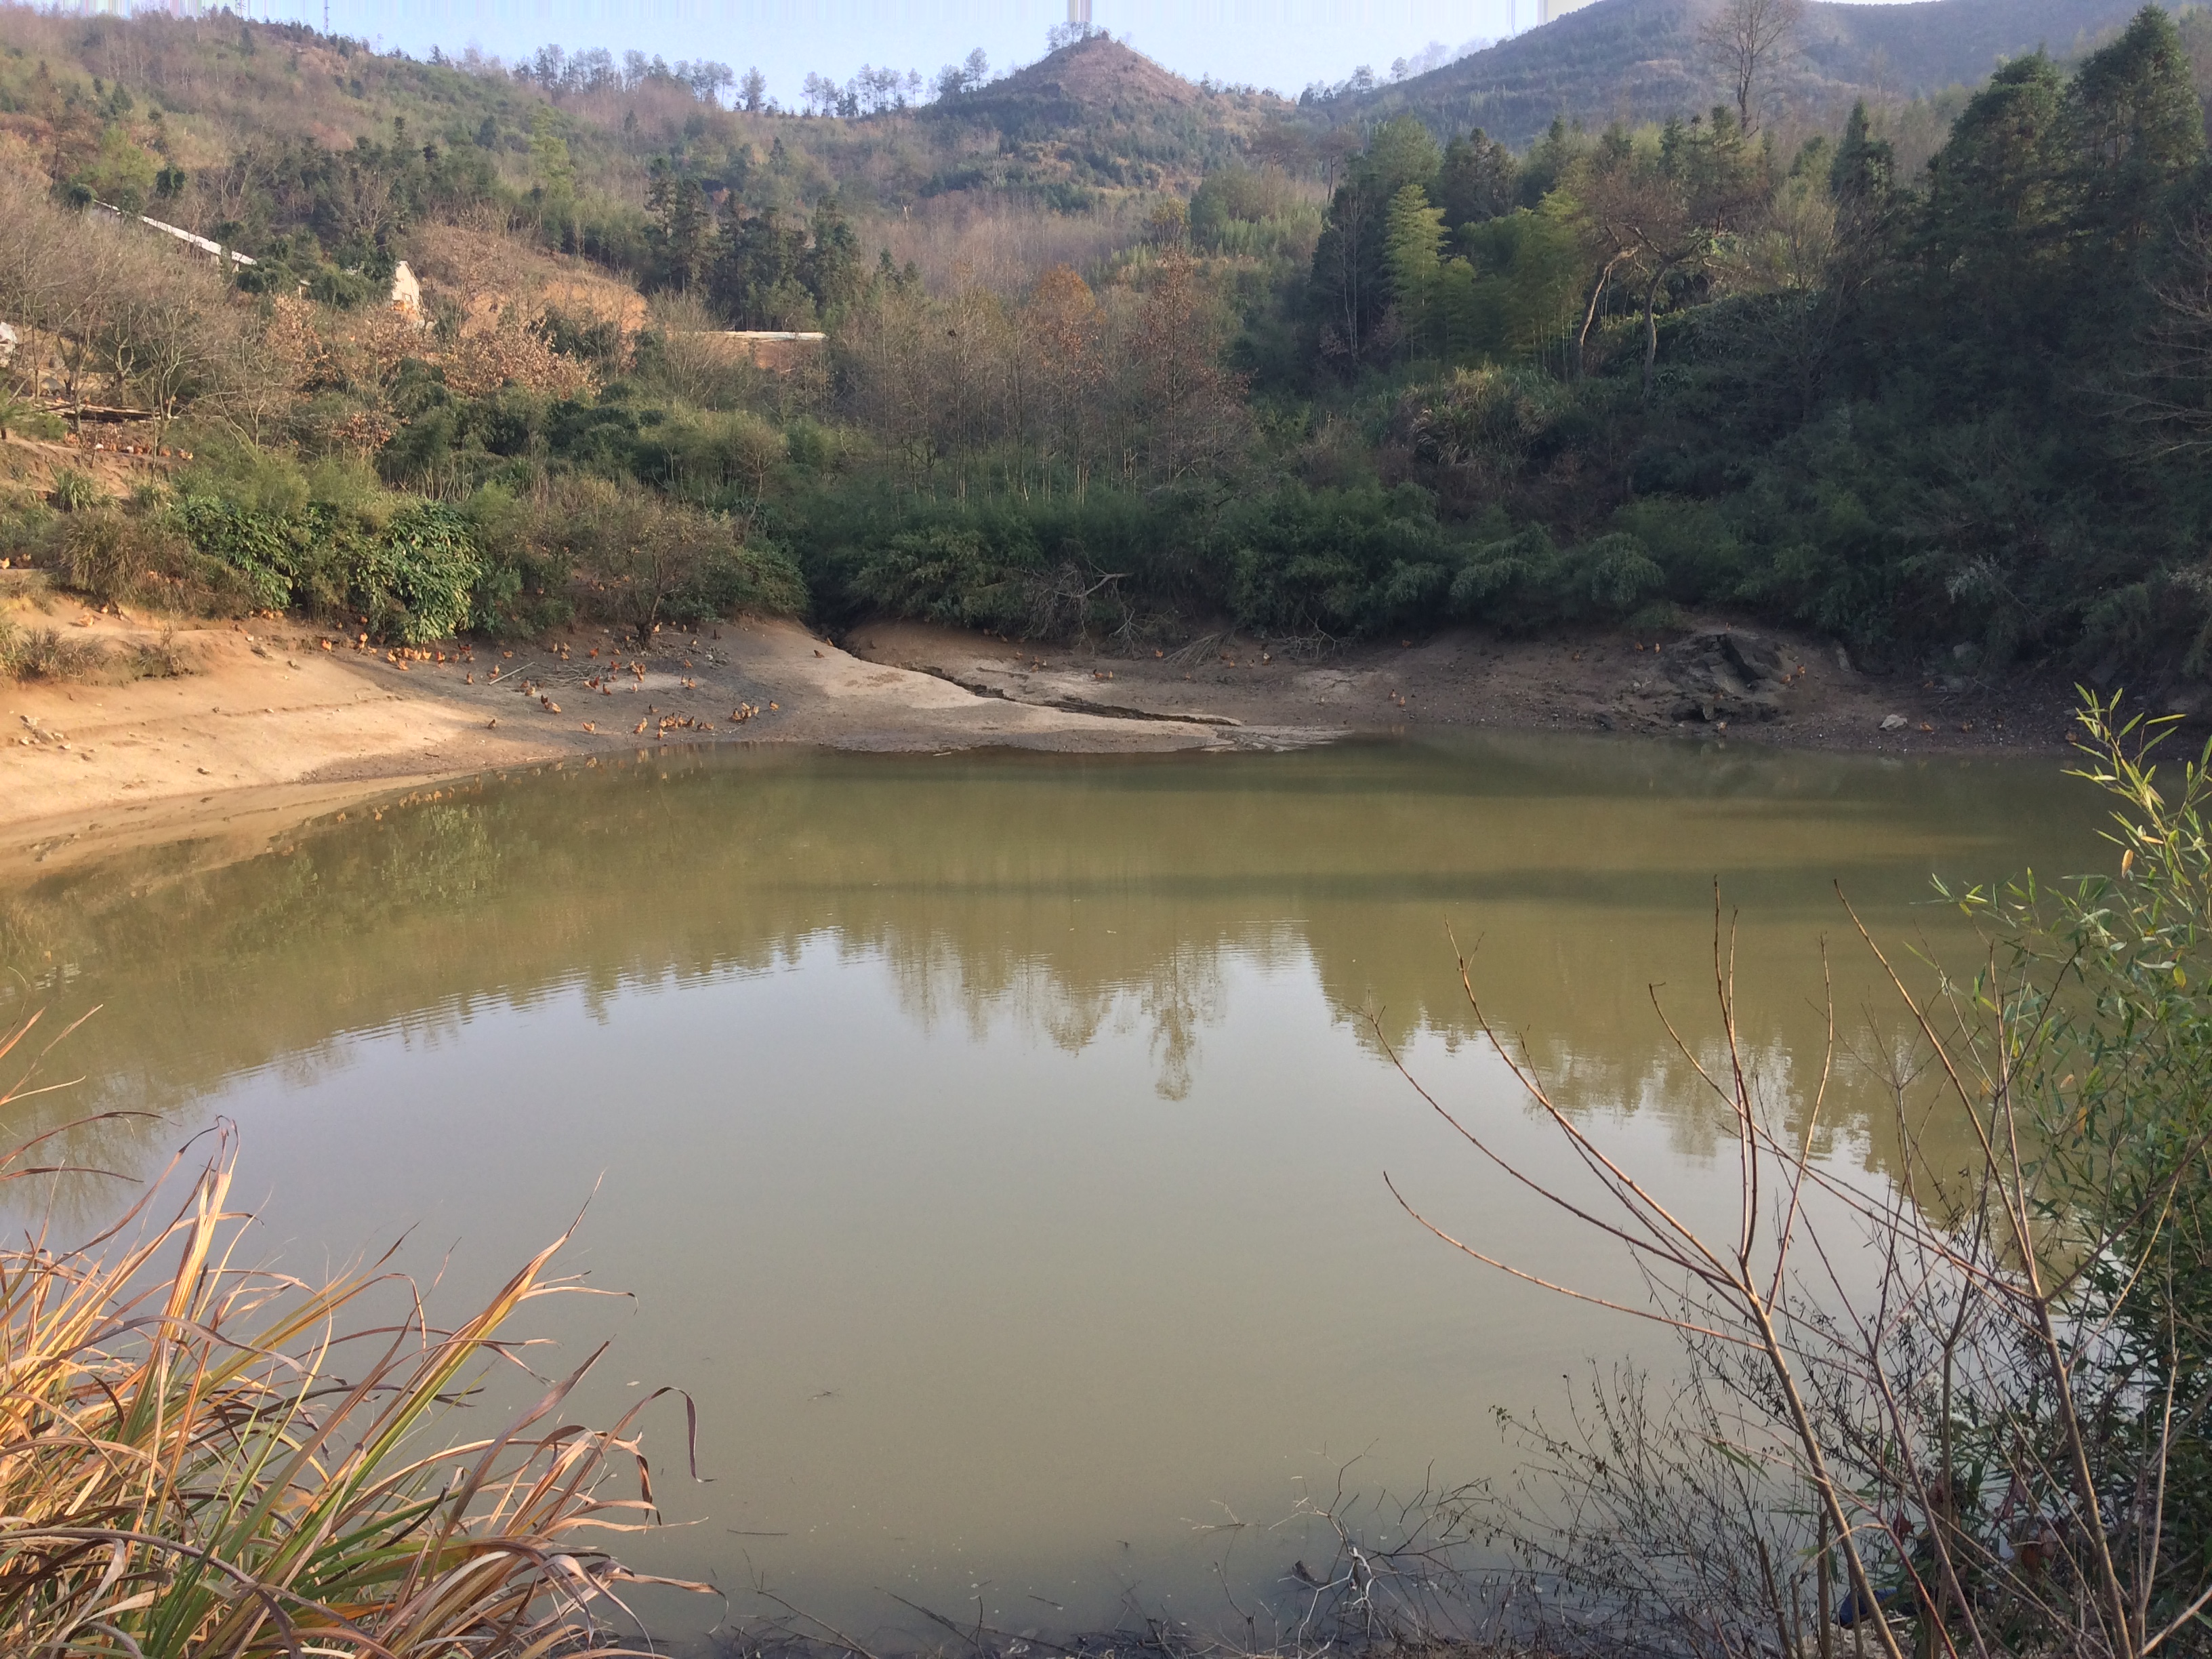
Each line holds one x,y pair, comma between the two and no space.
270,721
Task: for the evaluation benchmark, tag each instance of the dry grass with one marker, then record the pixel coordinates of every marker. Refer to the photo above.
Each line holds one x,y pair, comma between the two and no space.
186,1469
47,653
44,654
482,269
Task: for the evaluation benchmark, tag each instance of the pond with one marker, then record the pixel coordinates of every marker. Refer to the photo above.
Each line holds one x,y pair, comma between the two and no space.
993,1146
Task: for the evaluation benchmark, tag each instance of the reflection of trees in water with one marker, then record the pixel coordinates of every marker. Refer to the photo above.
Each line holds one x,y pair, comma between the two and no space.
1064,897
1184,993
1169,986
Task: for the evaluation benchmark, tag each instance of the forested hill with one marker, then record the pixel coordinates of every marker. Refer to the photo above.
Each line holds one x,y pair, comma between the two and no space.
1103,349
1093,114
1638,60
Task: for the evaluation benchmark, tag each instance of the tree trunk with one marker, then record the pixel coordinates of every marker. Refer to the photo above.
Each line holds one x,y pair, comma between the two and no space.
1589,317
1651,328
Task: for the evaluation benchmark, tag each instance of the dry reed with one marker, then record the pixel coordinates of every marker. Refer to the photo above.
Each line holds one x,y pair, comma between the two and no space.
184,1469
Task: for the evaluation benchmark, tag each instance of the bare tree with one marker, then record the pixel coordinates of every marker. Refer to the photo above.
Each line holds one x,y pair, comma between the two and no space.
1190,403
1648,216
1747,42
2173,394
1061,322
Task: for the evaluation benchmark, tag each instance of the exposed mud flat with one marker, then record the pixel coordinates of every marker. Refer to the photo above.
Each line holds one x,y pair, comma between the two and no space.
1710,680
264,713
266,720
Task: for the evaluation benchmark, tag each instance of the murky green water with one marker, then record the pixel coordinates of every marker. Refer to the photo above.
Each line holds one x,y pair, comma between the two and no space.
993,1146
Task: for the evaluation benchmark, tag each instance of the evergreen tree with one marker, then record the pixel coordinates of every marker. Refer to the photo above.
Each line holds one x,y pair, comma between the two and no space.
1995,221
1476,181
681,227
755,281
1413,252
1864,168
1350,287
2136,129
831,268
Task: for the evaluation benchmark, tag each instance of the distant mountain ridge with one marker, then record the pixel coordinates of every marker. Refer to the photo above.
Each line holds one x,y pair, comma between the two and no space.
1638,60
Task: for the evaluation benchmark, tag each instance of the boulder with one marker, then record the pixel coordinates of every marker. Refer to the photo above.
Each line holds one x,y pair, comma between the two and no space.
1726,675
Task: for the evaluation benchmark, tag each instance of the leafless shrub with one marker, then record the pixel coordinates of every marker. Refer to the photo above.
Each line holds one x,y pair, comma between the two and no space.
1976,1400
694,362
136,315
2173,394
1000,243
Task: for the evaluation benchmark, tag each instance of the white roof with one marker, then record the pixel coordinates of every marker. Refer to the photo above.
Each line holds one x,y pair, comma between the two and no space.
182,235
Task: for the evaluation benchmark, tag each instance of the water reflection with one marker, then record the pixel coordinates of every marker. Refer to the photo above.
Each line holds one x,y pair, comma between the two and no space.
1065,896
995,1143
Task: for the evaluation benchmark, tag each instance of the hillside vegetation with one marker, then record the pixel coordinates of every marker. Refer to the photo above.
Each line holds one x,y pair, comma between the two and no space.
1638,60
1110,352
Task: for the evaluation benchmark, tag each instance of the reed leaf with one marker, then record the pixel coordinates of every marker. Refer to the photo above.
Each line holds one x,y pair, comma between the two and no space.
186,1470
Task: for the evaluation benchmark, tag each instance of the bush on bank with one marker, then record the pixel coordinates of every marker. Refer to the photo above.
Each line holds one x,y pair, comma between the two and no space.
247,530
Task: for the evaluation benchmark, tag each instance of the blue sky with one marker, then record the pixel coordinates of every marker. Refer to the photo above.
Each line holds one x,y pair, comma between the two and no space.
1283,44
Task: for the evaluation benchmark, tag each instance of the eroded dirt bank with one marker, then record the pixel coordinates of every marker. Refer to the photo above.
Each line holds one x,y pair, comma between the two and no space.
267,722
1710,680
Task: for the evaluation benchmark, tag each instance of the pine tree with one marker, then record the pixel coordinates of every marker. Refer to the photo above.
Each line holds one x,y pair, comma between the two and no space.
2136,129
683,228
1476,181
1865,167
831,268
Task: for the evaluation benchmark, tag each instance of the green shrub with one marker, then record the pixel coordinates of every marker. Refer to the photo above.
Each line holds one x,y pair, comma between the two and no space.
1336,562
947,574
591,339
109,554
346,289
633,557
1527,581
1490,419
24,420
1044,567
413,581
73,492
267,551
255,479
42,653
411,578
522,584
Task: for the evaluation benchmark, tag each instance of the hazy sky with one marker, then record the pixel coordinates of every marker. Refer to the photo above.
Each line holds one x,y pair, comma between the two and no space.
1283,44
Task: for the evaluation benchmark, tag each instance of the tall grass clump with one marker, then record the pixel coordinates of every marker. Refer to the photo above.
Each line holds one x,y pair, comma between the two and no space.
1968,1410
200,1457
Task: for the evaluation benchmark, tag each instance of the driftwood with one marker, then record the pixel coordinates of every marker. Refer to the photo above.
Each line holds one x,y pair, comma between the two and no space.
106,414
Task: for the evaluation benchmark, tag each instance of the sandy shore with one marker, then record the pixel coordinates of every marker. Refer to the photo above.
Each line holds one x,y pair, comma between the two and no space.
270,721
